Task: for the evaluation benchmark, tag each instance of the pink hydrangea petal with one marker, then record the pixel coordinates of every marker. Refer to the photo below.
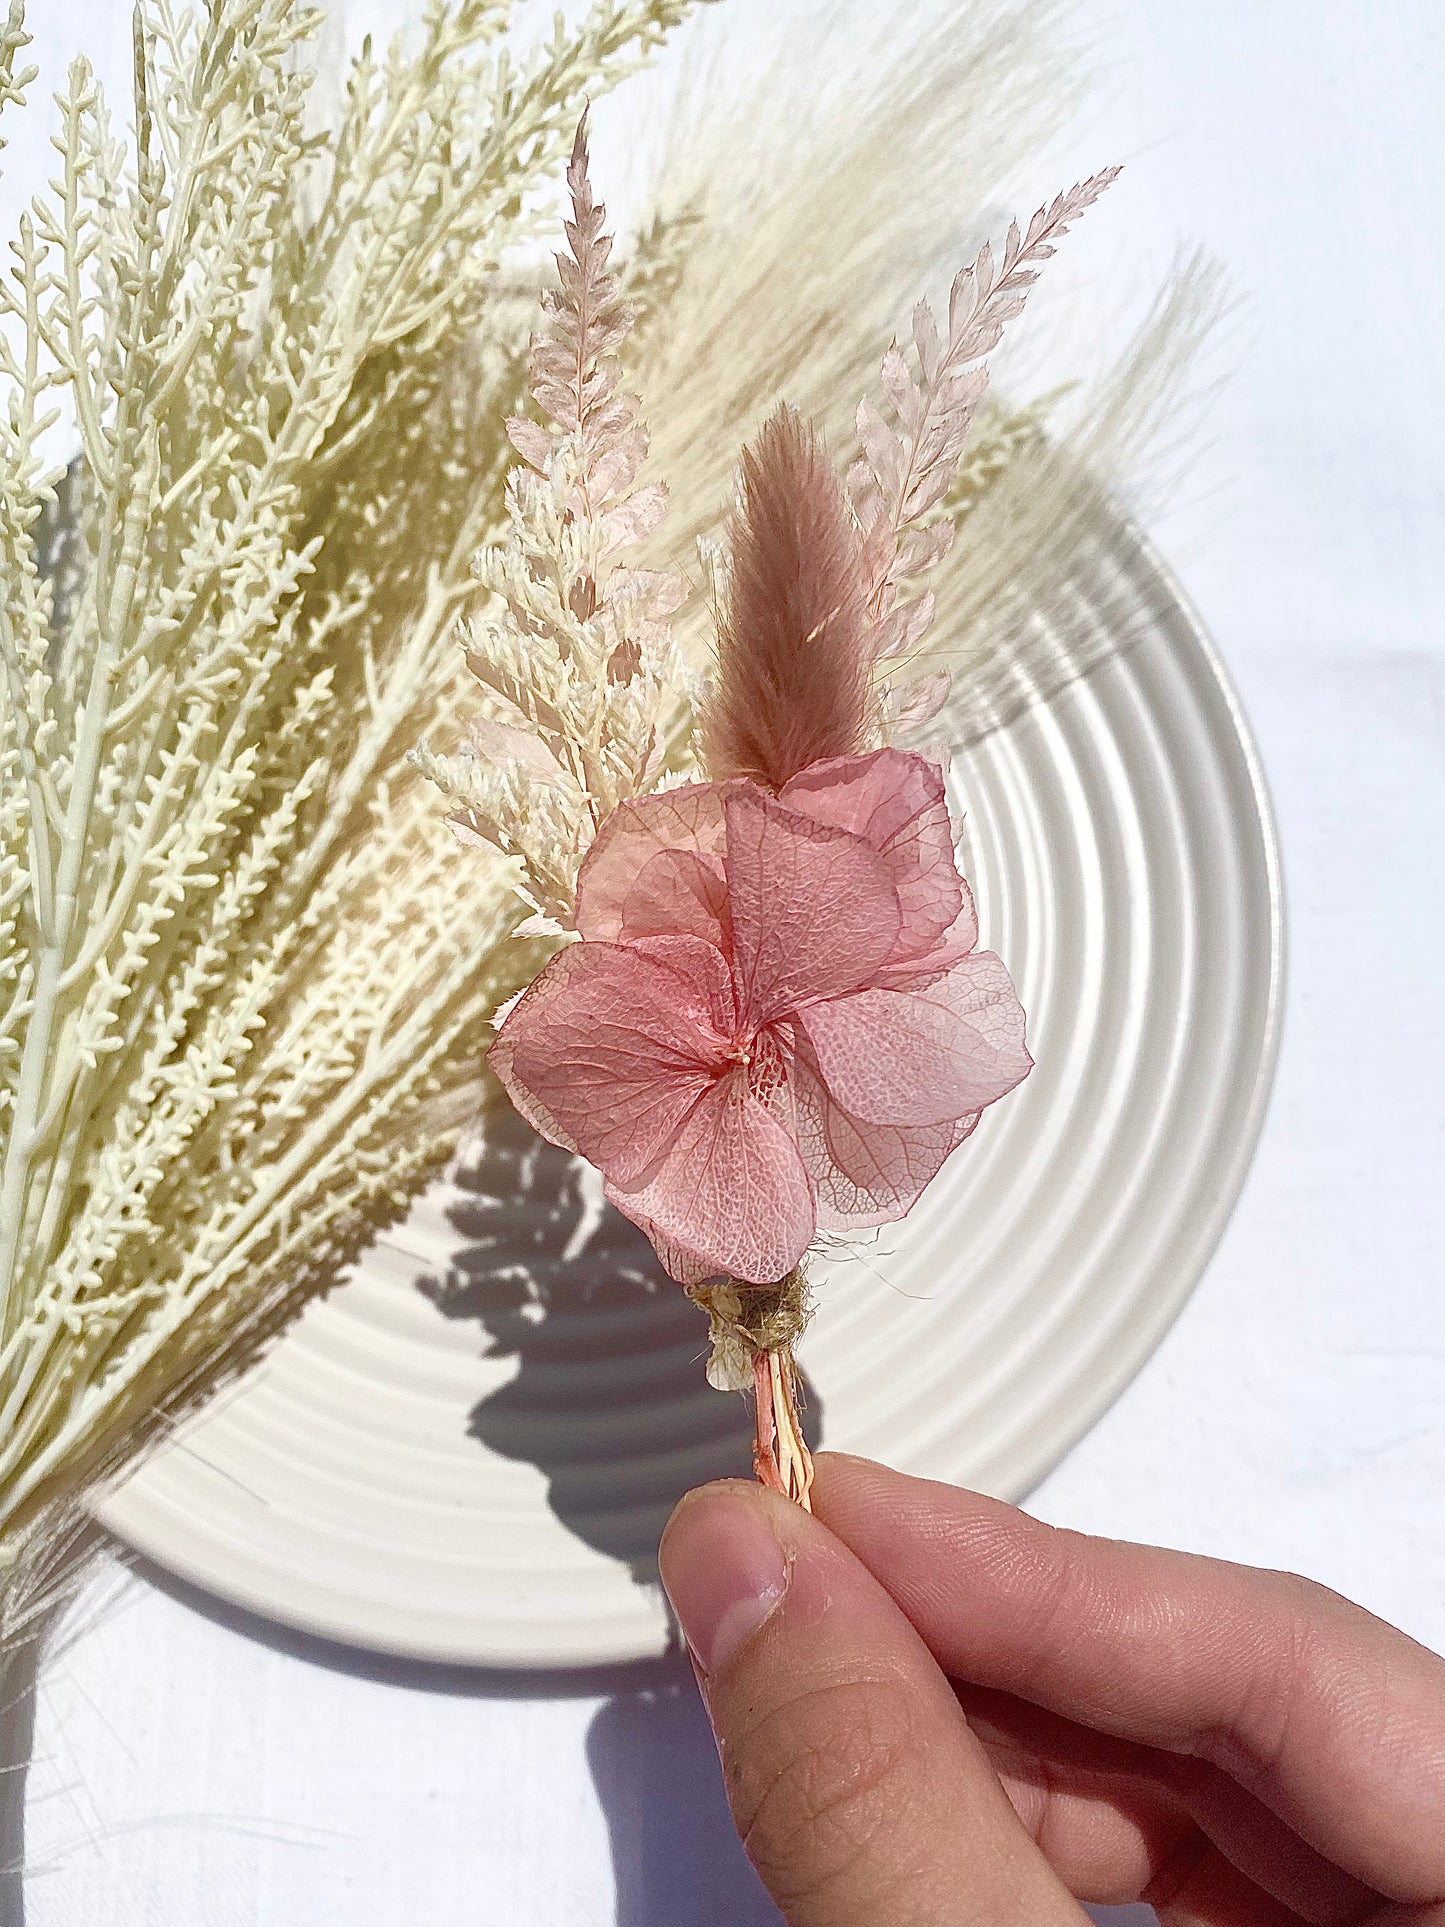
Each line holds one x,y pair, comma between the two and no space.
609,1051
499,1057
881,1170
731,1193
956,943
706,970
678,891
814,910
876,796
680,1263
829,925
866,1174
897,803
914,1057
770,1068
689,818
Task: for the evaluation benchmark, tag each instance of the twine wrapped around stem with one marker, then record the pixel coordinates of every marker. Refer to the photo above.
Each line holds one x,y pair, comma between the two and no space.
754,1329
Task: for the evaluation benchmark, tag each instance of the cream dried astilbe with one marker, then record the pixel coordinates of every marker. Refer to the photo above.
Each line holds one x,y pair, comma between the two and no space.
241,994
580,681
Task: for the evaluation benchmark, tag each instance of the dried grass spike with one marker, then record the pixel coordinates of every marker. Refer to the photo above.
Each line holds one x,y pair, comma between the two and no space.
794,649
584,698
900,485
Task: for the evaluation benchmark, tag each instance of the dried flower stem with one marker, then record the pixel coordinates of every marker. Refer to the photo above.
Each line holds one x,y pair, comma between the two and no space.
754,1329
781,1458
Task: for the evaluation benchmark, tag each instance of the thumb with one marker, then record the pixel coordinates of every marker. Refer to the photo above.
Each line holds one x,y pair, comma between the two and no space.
860,1792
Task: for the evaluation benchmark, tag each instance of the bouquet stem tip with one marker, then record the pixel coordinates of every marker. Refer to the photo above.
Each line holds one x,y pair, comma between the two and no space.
754,1329
781,1458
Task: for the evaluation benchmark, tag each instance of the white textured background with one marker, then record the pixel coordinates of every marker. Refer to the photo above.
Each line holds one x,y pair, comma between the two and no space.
193,1771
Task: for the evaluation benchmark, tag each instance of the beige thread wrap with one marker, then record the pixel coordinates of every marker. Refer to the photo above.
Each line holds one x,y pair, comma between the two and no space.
745,1320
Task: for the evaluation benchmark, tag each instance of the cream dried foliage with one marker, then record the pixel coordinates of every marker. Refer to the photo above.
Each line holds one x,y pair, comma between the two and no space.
242,995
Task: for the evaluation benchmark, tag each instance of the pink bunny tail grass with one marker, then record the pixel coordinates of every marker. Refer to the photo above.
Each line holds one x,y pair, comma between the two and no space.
794,682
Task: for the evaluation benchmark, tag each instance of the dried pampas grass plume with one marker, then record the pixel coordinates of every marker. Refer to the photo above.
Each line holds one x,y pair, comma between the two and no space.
1033,596
817,214
789,270
794,679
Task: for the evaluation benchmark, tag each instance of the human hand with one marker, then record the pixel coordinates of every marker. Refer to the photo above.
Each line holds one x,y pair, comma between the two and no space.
933,1709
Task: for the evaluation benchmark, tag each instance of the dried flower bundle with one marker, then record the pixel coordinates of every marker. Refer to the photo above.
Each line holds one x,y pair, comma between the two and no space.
775,1020
240,990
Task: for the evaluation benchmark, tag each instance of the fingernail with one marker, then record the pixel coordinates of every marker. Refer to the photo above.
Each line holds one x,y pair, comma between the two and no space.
724,1570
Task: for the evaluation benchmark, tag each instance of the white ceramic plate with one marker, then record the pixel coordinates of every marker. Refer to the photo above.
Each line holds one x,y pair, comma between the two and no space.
467,1451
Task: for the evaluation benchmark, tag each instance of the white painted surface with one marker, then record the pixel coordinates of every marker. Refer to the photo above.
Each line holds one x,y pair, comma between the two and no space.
195,1772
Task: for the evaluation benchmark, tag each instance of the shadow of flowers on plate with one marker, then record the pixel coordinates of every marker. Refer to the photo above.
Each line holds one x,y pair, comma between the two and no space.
610,1400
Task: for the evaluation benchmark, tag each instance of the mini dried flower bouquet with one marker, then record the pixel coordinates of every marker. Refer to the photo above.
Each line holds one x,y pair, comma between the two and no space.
768,1018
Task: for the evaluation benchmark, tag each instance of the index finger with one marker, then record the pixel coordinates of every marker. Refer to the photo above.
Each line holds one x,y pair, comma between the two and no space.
1329,1716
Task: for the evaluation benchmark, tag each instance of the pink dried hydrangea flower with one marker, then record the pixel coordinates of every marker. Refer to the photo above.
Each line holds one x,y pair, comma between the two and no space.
776,1021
